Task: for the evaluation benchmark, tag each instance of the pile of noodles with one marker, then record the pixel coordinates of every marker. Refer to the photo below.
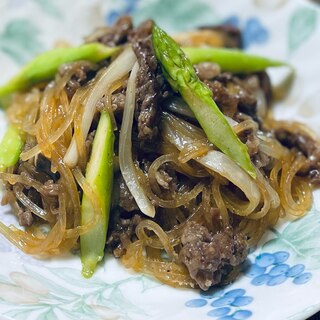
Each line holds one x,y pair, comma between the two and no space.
57,127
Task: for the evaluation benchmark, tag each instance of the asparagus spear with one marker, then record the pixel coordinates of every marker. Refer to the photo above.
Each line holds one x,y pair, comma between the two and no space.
179,72
99,174
231,60
44,66
10,148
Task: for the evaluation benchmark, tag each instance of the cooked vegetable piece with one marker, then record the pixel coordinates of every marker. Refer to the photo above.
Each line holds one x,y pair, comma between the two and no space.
99,175
119,68
180,74
44,66
126,161
231,59
10,148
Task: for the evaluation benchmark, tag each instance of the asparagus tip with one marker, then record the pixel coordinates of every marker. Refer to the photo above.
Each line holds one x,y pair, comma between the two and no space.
88,267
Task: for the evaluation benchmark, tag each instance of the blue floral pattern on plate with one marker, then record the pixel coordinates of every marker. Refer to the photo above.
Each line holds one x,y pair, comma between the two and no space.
253,31
128,7
269,269
223,305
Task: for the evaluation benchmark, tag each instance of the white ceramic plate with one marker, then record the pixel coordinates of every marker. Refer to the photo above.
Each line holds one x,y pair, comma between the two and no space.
283,280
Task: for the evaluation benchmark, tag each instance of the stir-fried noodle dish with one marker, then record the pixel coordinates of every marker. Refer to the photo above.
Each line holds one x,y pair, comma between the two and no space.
161,150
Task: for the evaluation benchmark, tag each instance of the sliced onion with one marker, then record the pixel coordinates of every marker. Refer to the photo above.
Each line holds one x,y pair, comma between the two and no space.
222,164
213,160
231,121
117,69
245,125
270,146
127,166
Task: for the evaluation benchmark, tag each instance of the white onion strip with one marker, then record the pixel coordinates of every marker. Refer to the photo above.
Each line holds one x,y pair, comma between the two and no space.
117,70
215,161
127,166
222,164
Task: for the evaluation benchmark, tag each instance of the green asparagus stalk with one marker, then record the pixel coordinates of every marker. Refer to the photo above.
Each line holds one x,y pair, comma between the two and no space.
10,148
179,72
44,66
99,174
231,60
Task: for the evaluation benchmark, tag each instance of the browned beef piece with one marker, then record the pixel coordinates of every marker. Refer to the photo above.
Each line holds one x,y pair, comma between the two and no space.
164,179
249,136
226,101
207,70
80,70
231,35
261,160
117,103
126,200
123,233
116,34
308,146
252,143
210,257
238,94
25,218
238,90
150,83
258,86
